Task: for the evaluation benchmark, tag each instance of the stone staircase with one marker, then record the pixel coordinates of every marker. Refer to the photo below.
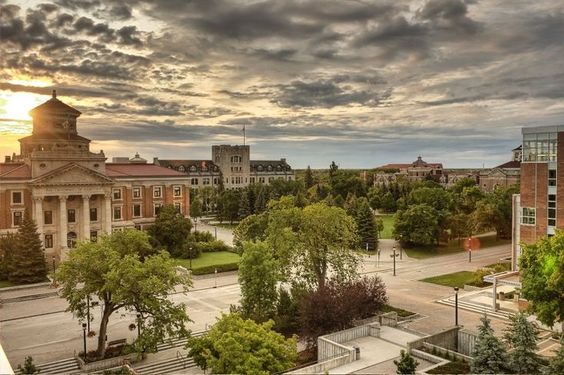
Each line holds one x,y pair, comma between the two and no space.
63,366
478,308
167,366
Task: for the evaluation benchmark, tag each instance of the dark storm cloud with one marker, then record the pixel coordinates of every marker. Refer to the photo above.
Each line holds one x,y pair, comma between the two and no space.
120,12
448,14
128,36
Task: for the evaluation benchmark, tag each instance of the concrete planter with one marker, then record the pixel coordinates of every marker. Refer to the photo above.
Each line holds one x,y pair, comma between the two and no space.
106,363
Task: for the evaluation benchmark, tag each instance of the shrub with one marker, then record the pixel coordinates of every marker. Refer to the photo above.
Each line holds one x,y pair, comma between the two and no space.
220,268
215,245
190,250
201,237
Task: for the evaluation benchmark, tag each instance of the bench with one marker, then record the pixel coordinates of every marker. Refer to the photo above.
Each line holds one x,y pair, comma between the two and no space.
117,342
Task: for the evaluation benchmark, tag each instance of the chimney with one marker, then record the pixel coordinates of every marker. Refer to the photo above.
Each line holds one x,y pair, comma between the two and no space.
7,159
156,161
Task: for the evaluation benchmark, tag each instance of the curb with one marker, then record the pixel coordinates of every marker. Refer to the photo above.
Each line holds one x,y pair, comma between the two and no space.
26,286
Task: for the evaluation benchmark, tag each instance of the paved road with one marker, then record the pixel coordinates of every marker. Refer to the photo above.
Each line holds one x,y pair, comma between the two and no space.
40,327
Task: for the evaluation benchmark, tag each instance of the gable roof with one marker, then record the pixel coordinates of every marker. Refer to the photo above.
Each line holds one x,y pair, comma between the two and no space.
13,171
510,164
79,174
117,170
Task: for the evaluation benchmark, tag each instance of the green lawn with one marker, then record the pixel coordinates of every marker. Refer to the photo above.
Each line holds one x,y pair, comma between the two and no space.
458,279
454,246
209,260
388,226
5,284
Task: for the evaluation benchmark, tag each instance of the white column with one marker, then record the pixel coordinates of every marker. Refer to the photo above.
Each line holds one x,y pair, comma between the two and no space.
107,227
85,217
38,201
63,229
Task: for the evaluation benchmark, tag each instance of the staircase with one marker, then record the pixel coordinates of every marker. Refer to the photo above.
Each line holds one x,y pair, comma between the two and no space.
63,366
167,366
500,314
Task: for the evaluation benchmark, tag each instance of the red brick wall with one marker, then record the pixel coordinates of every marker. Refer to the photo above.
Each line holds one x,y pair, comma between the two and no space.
560,182
4,210
148,201
534,194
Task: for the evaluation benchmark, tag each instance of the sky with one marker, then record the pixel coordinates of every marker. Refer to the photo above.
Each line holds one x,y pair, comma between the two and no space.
362,83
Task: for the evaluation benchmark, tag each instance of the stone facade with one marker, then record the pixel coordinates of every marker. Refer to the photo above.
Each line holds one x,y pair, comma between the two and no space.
233,165
71,192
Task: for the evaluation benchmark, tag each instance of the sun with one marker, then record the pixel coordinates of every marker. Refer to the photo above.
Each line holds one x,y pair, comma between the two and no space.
16,105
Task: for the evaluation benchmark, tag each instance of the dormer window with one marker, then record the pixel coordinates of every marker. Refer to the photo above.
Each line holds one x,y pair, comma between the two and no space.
193,169
181,169
260,168
269,168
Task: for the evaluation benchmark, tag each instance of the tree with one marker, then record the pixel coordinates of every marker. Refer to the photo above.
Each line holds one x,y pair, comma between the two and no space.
238,346
308,178
407,364
8,247
522,337
314,241
258,277
120,277
388,203
417,225
195,205
27,262
366,225
489,355
341,303
542,277
229,205
170,230
28,367
495,211
244,204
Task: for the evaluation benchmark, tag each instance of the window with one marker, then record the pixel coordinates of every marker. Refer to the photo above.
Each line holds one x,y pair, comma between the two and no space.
47,217
138,227
193,169
117,213
178,207
136,192
93,236
71,215
539,147
261,180
157,208
528,216
93,214
252,180
236,159
206,181
552,210
136,210
157,191
194,181
17,218
552,177
181,169
48,243
215,181
116,194
177,191
17,197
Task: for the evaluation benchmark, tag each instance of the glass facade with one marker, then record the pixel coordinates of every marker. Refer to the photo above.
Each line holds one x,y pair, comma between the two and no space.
539,147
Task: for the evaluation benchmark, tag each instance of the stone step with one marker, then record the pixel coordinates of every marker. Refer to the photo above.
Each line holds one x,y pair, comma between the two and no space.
63,366
477,308
169,366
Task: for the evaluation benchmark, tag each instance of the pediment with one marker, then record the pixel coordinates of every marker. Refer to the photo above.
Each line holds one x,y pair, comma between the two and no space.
496,172
73,174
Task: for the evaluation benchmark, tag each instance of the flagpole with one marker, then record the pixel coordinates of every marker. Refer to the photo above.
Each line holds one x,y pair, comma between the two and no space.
244,136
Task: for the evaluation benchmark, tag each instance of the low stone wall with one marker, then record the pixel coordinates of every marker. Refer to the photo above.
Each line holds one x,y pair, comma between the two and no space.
106,363
466,342
446,352
426,356
389,319
321,367
329,346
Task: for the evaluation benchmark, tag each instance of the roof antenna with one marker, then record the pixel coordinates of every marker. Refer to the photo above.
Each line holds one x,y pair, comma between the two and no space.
54,94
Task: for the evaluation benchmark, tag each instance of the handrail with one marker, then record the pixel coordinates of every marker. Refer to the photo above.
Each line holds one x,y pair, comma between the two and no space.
182,358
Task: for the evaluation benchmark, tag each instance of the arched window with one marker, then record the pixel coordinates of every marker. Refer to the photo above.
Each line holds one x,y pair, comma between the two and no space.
260,168
181,169
269,168
71,240
193,169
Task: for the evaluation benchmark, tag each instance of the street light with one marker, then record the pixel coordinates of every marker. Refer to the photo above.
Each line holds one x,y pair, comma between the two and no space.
469,255
191,256
53,259
456,306
215,278
394,255
84,339
88,310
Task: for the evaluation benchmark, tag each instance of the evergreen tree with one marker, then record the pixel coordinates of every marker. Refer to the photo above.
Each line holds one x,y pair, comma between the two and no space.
351,204
28,367
366,225
262,199
407,364
27,264
308,178
244,206
489,355
521,335
300,200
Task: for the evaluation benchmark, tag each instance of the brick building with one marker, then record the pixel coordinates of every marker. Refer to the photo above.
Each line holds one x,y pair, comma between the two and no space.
536,211
71,192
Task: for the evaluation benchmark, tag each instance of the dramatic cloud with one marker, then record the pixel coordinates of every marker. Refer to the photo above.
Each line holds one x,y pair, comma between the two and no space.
361,82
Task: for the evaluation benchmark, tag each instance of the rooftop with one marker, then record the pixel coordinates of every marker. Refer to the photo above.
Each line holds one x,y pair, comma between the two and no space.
140,170
14,171
54,105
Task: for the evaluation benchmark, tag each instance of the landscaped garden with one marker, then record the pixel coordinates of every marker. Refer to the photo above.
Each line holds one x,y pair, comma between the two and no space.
454,246
208,262
459,279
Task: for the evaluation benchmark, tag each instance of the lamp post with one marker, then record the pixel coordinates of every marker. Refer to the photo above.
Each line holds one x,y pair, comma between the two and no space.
84,339
215,278
88,311
54,269
456,306
469,255
191,256
394,255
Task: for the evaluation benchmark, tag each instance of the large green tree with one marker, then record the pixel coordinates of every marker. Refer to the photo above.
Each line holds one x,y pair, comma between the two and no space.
417,225
228,206
170,230
313,242
258,277
308,178
495,211
8,247
118,271
542,277
238,346
27,262
489,355
366,225
522,337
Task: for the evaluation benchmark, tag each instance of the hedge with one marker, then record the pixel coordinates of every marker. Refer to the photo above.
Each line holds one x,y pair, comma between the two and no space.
220,268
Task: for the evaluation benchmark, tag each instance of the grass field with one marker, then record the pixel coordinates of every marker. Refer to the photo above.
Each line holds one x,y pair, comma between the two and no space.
209,259
388,226
458,279
454,246
5,284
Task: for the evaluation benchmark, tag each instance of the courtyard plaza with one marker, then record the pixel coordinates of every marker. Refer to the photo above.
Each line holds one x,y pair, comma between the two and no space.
41,328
